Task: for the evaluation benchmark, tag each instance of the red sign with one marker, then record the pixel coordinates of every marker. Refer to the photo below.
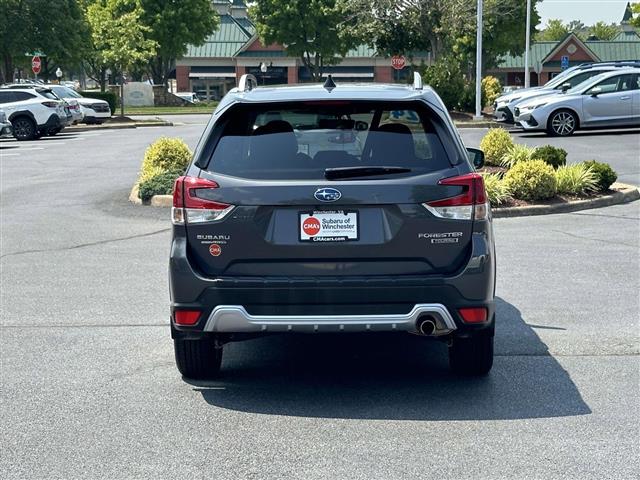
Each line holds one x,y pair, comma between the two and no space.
398,62
311,226
36,64
214,249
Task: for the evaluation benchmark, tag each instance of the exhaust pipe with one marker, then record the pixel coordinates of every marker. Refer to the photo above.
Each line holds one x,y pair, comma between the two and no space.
426,326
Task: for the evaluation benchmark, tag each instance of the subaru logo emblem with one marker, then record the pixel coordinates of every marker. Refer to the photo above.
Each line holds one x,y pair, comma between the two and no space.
327,194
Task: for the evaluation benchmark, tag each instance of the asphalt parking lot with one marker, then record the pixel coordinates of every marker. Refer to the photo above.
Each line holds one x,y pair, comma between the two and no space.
90,390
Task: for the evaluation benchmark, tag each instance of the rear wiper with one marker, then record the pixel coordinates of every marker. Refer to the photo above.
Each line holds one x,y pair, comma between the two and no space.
364,171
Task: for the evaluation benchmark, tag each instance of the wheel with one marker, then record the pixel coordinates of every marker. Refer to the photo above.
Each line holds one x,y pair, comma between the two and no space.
24,128
198,359
473,355
562,123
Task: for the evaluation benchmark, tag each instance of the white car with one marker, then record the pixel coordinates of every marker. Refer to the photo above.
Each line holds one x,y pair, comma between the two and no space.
5,125
504,106
608,100
33,112
188,96
93,110
74,105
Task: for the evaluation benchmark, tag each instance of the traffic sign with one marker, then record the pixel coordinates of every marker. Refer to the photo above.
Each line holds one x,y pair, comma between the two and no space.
564,62
398,62
36,64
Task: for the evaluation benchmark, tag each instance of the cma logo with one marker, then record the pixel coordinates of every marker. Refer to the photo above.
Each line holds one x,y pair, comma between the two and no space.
327,194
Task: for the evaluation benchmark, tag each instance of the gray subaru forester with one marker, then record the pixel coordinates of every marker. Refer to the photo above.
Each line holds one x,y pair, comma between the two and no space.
324,208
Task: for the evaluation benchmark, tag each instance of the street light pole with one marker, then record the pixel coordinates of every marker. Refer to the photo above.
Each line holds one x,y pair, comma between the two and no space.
527,79
478,114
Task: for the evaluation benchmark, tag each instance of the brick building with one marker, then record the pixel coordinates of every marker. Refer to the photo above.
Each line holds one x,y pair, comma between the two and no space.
213,68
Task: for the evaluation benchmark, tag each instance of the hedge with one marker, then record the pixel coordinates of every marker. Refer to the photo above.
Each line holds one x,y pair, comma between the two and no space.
107,96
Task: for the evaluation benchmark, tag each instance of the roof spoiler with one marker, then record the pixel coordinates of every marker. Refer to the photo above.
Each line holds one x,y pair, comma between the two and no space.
247,83
417,81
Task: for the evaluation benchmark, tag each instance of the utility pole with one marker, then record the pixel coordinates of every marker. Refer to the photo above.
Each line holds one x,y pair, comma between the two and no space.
478,114
527,79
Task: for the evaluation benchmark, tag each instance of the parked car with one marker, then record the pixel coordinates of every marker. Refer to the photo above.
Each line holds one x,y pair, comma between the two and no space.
608,100
188,96
93,110
33,112
65,93
71,108
273,234
5,125
504,105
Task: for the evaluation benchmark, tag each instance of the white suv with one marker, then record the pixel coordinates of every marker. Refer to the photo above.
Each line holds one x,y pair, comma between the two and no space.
33,112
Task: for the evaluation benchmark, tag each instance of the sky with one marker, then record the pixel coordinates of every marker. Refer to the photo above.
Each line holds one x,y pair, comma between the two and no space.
587,11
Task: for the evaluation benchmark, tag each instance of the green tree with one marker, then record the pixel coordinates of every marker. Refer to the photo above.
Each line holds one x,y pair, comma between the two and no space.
174,25
553,31
118,37
441,27
56,29
308,29
602,31
635,19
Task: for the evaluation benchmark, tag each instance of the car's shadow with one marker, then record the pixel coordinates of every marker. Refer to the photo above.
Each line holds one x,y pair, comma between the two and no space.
579,133
397,376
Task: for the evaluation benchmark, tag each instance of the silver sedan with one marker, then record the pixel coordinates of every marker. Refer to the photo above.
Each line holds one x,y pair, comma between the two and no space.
608,100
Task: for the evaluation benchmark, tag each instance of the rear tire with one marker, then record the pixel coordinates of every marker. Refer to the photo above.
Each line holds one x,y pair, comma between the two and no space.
472,356
24,128
198,359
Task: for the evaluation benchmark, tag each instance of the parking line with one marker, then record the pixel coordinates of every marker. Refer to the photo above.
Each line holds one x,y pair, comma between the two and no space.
2,155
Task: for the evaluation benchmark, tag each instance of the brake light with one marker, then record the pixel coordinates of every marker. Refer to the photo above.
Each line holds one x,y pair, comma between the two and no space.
470,204
473,315
50,104
188,207
187,317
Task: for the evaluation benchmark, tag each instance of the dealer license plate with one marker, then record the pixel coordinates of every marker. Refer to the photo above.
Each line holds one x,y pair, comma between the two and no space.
328,226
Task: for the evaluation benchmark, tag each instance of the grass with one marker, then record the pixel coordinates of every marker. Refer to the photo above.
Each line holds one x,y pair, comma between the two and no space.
189,109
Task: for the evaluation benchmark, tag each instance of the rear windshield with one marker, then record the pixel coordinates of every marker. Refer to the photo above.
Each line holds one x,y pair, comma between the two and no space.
302,141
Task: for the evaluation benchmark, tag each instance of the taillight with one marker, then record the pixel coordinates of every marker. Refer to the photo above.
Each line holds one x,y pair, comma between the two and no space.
186,317
190,208
470,204
473,315
50,104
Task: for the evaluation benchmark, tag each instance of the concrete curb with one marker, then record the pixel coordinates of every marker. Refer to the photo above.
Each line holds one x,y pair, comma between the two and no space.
118,126
156,200
487,124
624,194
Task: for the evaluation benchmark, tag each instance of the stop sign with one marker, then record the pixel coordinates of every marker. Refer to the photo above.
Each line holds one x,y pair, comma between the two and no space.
36,64
398,62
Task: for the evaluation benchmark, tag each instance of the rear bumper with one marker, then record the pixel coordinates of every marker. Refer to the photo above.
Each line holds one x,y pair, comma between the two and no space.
309,304
236,319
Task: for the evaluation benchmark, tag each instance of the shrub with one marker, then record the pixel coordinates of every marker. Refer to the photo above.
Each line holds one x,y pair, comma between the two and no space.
445,77
164,155
106,96
554,156
605,175
531,180
495,144
160,184
497,190
576,179
516,154
491,89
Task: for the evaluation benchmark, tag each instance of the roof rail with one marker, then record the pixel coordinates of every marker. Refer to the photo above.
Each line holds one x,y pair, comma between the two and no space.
417,81
247,83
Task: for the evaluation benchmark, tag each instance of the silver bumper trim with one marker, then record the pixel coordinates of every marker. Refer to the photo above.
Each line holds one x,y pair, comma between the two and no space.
235,319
